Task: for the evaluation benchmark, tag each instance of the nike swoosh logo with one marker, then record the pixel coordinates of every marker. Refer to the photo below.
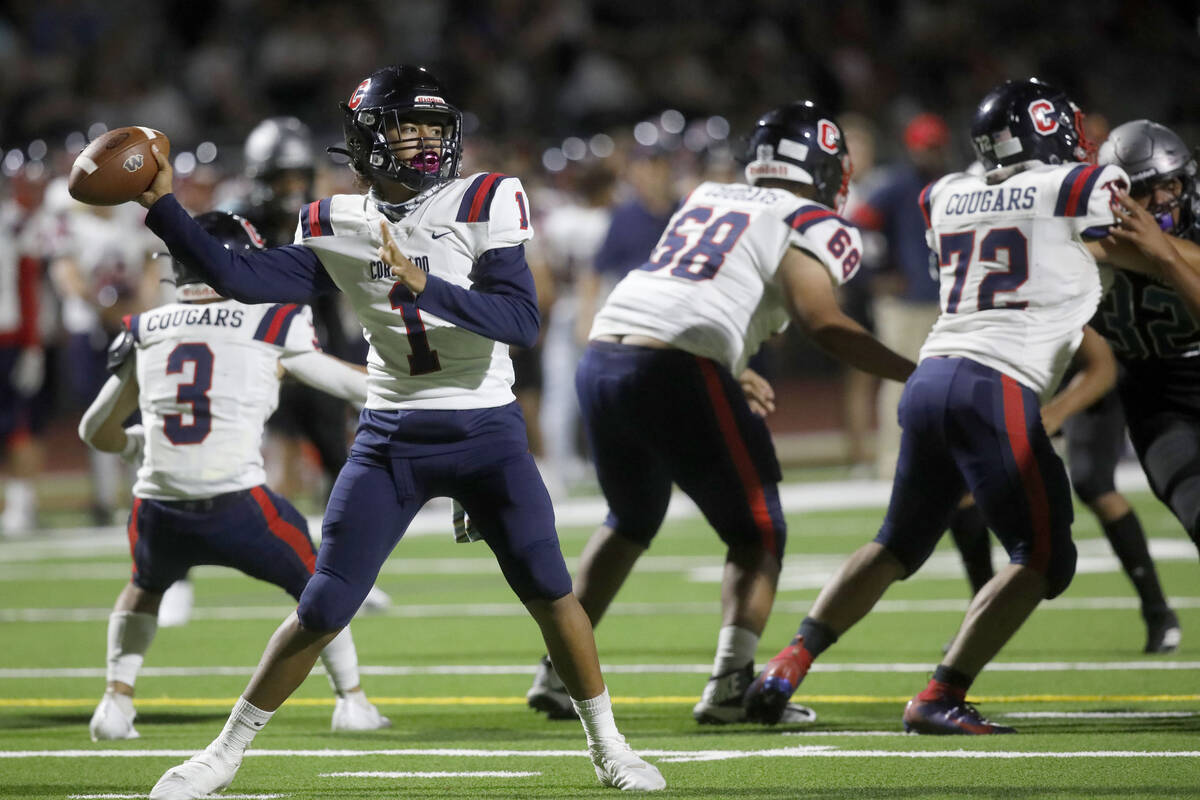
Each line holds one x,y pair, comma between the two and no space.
440,235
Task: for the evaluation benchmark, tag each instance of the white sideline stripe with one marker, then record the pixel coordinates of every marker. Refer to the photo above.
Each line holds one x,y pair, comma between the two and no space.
487,773
1100,714
802,751
515,609
612,669
142,796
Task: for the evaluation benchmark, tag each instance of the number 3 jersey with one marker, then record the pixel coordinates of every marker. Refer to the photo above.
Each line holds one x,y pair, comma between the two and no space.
1017,282
418,360
709,287
207,381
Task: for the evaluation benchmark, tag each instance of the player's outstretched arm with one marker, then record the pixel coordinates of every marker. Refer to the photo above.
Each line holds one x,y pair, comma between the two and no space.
330,375
292,273
1096,376
808,291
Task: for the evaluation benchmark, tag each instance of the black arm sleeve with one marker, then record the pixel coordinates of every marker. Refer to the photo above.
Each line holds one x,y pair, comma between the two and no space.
292,273
501,303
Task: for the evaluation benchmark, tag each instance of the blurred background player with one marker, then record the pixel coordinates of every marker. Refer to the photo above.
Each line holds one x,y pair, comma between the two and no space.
280,162
204,372
1012,273
658,390
102,268
22,358
571,233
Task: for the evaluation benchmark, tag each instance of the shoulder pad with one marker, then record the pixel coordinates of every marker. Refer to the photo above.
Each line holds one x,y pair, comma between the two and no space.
120,350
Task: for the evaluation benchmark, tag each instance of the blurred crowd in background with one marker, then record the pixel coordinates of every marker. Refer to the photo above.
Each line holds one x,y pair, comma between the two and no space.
609,110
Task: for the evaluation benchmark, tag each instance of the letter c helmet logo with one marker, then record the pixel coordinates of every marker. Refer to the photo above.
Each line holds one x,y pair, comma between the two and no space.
828,136
359,93
1042,114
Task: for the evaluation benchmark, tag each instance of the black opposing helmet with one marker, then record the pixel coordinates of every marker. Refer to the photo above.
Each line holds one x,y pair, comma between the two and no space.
1025,121
280,159
1151,154
800,142
382,100
234,232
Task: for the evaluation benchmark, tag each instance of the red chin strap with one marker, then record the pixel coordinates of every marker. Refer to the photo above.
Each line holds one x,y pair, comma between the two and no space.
1086,149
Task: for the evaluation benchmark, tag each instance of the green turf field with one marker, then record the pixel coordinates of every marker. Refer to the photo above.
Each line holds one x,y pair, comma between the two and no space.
450,663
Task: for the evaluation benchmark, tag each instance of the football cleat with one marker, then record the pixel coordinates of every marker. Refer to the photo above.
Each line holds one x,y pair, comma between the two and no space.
618,766
354,712
548,694
175,608
948,716
724,701
113,718
766,699
204,773
1163,633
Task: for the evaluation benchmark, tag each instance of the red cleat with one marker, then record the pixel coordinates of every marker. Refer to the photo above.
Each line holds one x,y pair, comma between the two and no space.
767,698
943,716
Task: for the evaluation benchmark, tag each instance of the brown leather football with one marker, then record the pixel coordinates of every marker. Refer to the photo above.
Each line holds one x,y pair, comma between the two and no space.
116,167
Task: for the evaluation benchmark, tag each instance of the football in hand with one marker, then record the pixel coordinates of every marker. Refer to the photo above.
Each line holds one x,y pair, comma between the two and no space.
116,167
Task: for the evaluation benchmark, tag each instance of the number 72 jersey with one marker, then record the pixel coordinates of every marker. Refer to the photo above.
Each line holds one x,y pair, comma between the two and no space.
1017,282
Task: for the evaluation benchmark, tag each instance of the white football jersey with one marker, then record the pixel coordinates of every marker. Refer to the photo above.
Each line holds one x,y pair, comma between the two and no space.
1017,282
416,359
709,285
207,381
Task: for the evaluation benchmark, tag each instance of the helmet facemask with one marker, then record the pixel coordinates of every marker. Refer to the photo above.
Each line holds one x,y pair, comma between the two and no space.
375,145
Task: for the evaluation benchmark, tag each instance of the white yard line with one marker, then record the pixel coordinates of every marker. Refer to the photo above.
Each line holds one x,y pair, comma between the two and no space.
1100,714
481,774
802,751
612,669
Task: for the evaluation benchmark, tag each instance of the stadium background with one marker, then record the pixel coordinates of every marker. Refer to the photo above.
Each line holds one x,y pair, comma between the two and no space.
540,79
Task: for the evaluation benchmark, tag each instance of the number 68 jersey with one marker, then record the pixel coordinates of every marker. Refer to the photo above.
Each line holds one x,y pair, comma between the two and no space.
207,381
709,286
1017,282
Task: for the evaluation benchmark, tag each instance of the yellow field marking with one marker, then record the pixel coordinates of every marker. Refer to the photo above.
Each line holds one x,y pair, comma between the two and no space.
224,702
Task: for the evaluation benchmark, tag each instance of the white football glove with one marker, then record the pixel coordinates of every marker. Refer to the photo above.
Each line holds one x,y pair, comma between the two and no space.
135,442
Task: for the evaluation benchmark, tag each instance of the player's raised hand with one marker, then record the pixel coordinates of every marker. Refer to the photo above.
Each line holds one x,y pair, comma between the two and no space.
759,393
403,269
1136,226
161,185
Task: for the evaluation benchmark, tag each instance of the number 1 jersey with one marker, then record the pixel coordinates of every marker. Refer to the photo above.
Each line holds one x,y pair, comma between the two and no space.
207,381
1017,282
709,287
418,360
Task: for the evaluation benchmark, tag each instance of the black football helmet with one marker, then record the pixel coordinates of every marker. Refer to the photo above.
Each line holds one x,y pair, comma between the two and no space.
800,142
280,159
382,100
234,232
1026,121
1152,154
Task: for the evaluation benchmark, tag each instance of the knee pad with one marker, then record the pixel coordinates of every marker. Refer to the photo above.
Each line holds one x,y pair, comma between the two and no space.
328,604
1061,568
538,572
1090,480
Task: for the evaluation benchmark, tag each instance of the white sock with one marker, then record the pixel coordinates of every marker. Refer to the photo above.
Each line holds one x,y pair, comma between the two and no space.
341,662
735,648
597,717
245,721
129,636
19,498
